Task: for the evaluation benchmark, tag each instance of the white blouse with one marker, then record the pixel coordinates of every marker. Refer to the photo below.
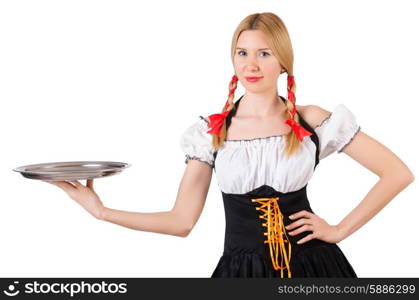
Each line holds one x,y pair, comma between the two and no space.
244,165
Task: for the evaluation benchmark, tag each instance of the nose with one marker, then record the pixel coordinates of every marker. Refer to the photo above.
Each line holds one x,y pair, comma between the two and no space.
252,67
252,63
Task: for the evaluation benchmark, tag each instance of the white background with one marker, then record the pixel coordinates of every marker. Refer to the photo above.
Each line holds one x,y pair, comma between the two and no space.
121,80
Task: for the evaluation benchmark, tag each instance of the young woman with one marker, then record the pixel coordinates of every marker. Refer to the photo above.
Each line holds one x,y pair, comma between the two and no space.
264,149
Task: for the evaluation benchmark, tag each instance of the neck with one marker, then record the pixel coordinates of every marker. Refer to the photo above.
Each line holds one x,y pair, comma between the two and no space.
261,105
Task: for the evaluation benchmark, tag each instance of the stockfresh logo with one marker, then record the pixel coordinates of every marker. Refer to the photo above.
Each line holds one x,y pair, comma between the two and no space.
70,288
12,289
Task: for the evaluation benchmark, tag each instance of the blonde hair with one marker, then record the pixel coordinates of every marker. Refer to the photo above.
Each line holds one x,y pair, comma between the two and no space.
280,43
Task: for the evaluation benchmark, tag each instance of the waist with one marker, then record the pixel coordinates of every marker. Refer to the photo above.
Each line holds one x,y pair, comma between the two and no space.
290,202
250,215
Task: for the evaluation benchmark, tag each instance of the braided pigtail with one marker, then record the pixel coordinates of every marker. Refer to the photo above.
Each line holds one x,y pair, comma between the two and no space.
298,132
217,122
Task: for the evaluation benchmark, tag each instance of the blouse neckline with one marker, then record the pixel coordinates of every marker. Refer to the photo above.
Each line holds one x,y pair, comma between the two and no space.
257,138
277,136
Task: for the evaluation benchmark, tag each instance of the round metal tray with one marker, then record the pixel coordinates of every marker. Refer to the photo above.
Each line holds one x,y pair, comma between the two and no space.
71,170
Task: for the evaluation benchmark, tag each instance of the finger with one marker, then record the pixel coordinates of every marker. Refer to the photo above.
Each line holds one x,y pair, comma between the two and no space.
299,222
89,183
301,229
306,238
76,183
301,213
62,184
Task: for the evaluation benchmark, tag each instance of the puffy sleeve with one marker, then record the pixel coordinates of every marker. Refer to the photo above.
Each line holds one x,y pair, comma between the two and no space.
336,131
196,143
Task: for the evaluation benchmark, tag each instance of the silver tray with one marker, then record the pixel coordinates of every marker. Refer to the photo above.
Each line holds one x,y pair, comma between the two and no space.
71,170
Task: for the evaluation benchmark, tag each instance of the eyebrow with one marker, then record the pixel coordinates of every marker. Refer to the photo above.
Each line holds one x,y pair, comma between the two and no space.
258,49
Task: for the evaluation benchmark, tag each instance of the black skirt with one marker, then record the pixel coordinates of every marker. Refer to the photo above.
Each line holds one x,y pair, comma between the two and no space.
256,244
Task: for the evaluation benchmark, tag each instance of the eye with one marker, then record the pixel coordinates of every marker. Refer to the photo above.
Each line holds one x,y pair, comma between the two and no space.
240,51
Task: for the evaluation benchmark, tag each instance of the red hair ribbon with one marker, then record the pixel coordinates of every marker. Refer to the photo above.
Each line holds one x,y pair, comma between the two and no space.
291,95
299,131
217,120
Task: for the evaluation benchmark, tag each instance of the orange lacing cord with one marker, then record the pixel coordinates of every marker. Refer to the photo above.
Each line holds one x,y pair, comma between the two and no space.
275,231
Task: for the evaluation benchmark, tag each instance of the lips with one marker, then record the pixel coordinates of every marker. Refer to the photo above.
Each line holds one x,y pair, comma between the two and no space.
253,78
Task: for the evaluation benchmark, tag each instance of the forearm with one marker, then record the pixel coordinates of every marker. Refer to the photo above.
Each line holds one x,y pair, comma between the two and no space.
165,222
376,199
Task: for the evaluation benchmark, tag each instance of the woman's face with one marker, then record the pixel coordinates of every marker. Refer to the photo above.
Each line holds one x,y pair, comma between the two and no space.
252,57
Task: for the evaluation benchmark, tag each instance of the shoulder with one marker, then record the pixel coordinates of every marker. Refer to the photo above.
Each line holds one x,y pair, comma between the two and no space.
198,126
206,119
197,132
314,115
196,142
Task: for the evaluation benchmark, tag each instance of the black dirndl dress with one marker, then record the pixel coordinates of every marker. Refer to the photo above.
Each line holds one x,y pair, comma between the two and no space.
256,244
